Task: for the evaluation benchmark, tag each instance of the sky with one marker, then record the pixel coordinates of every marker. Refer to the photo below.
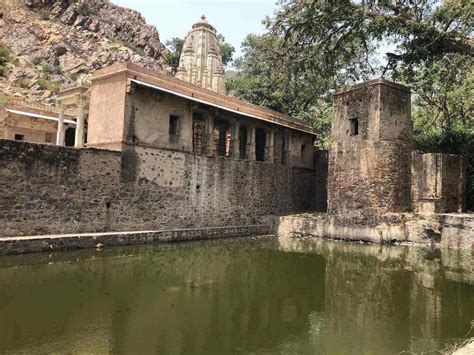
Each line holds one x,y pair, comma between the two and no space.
234,19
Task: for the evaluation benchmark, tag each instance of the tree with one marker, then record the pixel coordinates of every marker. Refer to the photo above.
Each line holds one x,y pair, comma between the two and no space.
265,78
227,50
314,46
176,46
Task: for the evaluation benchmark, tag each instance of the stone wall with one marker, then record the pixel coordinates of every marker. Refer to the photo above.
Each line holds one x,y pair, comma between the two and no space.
370,157
369,178
51,190
438,182
321,179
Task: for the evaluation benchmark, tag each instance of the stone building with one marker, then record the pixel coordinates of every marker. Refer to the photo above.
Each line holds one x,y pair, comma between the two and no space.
373,169
201,60
131,106
34,123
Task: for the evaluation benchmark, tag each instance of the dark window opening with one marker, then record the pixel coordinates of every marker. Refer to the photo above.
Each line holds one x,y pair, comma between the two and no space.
199,136
48,138
354,126
19,137
70,137
174,125
303,149
242,142
260,144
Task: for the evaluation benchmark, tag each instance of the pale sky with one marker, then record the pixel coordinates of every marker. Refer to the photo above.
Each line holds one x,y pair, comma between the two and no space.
233,18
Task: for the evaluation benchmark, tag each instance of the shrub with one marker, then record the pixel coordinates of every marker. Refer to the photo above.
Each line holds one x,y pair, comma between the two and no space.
5,56
37,60
24,83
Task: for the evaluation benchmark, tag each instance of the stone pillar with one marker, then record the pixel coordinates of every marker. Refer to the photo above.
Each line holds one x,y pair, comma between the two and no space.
210,135
235,151
250,151
287,147
79,139
270,146
60,134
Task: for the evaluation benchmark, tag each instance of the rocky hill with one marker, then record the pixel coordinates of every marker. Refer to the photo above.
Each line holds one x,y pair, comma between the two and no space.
45,44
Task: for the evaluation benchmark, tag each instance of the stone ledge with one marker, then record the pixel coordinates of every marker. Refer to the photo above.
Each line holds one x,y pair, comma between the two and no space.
45,243
453,231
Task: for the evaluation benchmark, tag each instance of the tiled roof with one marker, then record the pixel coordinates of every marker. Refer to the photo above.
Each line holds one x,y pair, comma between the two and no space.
196,93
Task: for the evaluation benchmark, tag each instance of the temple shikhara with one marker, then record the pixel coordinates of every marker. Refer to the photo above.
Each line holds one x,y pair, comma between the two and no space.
201,60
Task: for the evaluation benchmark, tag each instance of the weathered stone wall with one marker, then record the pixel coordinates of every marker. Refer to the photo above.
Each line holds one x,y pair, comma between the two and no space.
369,162
50,190
452,231
438,182
367,178
321,180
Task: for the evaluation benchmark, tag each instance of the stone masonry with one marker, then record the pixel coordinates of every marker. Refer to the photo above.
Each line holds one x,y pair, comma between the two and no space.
56,190
370,157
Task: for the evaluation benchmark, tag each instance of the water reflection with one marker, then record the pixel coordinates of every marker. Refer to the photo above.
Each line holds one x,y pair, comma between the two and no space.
235,296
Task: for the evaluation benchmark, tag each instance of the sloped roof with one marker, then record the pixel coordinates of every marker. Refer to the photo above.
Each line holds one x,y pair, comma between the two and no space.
172,85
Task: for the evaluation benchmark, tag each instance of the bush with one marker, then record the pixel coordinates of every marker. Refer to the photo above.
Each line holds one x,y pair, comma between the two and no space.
51,69
44,84
24,83
37,60
5,56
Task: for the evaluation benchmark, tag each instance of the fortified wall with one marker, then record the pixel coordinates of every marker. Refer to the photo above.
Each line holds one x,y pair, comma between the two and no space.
49,189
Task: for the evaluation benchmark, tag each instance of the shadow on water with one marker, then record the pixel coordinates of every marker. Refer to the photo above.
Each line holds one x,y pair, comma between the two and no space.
260,295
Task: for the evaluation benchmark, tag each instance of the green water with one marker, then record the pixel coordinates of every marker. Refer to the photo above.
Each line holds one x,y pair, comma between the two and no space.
260,296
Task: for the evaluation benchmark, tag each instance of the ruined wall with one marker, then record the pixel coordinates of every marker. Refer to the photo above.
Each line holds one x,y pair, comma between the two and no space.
372,178
49,189
438,182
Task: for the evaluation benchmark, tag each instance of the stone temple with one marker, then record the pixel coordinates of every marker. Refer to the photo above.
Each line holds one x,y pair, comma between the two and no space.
176,155
201,60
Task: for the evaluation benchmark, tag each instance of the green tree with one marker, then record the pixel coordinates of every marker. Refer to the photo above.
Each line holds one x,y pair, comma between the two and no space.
176,46
314,46
227,50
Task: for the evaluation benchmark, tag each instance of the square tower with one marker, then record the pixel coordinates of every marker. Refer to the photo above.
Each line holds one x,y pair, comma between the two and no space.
370,156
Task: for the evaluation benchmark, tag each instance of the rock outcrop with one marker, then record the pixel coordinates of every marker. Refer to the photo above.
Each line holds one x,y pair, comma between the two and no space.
58,42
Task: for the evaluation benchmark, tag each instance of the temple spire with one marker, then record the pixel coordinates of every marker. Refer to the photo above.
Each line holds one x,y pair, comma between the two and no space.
201,58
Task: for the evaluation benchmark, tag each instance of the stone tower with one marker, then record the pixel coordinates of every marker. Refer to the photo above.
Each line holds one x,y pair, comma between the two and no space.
201,59
370,156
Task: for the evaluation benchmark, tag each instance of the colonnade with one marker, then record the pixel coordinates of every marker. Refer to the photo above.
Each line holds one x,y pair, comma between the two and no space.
250,150
77,97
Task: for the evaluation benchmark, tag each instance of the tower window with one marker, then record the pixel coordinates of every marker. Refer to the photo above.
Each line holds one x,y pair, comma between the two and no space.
303,149
354,126
174,125
19,137
48,138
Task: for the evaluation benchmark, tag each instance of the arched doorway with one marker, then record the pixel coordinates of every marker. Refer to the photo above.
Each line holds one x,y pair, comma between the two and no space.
70,137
